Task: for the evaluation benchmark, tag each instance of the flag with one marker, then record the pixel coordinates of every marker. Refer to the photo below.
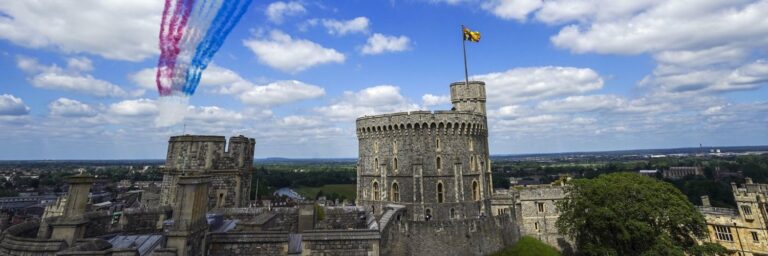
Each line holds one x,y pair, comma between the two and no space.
470,35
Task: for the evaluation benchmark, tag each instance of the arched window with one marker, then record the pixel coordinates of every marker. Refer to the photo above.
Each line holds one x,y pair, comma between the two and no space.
376,165
475,191
427,214
439,163
453,213
376,195
395,192
394,164
439,192
376,146
394,146
472,163
471,145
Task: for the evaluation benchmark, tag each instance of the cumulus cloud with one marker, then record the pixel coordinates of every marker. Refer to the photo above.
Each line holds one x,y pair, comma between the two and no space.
71,79
279,50
533,83
137,107
277,12
512,9
70,108
12,106
379,43
432,100
343,27
103,31
582,103
281,92
220,80
369,101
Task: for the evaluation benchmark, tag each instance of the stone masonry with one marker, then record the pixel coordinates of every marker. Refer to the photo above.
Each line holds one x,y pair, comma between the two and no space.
230,170
434,163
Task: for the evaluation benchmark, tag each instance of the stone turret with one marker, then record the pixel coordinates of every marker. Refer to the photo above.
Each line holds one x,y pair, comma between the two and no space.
468,97
189,216
71,225
229,165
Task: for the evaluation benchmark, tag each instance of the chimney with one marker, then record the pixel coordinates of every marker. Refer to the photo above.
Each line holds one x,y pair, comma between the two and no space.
748,180
71,225
705,201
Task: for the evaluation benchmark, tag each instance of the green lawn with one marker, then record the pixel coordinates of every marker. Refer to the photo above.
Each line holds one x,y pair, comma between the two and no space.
348,191
528,246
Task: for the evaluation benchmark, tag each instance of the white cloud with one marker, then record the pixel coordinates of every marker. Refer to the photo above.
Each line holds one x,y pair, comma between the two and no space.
138,107
281,92
512,9
378,44
291,55
343,27
277,11
533,83
87,26
71,79
369,101
582,103
70,108
12,106
432,100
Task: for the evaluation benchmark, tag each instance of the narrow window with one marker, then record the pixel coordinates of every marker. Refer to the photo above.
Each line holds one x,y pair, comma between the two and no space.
536,226
439,163
475,191
746,209
541,207
437,142
453,214
395,192
376,165
428,214
472,163
723,233
376,190
755,238
439,192
394,146
394,164
471,145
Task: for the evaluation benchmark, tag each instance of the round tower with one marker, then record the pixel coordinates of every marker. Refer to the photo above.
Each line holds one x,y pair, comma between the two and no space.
468,97
434,163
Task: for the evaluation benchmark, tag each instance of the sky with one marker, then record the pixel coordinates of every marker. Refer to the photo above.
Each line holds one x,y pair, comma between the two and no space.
77,77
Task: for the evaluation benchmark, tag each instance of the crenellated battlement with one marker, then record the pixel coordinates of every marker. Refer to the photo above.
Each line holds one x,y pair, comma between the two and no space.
403,123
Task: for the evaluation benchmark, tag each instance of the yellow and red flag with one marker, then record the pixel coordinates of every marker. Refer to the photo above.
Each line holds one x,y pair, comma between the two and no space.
469,35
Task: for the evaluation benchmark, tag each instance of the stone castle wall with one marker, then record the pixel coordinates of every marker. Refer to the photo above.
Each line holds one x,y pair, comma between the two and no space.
435,163
229,165
479,236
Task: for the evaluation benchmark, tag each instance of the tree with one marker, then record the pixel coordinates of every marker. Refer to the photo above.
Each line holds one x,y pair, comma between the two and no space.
629,214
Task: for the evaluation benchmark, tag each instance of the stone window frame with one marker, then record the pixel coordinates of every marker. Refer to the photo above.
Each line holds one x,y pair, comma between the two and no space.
746,209
453,213
536,226
394,146
471,145
395,164
541,207
440,192
723,233
395,191
472,163
755,237
376,167
438,147
439,163
376,192
428,212
475,190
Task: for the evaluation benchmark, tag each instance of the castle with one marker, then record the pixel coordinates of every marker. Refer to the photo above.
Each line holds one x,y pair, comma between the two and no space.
424,188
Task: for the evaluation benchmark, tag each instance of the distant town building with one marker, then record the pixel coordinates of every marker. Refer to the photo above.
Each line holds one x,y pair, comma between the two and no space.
679,172
649,173
743,231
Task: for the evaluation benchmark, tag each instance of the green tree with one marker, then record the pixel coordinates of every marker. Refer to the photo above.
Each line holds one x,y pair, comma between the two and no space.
629,214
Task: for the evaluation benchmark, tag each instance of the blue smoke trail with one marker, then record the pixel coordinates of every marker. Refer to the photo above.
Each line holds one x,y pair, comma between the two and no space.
226,19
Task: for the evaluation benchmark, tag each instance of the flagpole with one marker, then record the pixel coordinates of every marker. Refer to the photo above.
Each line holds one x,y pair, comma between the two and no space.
464,47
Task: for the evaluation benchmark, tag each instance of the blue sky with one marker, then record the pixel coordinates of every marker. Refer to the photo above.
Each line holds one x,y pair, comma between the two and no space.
562,75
